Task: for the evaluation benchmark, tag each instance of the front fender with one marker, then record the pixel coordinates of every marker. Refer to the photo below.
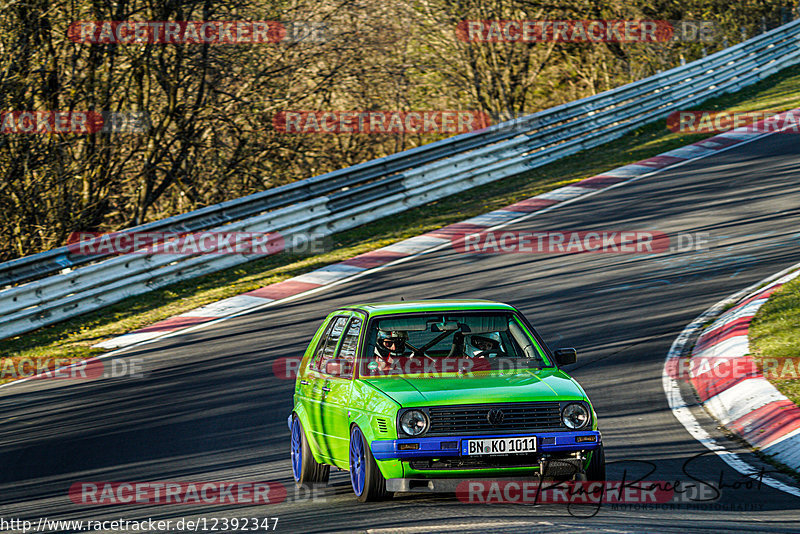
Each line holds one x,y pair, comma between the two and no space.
389,468
362,421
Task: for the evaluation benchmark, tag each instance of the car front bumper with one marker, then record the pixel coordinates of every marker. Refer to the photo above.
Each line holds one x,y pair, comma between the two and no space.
435,485
449,446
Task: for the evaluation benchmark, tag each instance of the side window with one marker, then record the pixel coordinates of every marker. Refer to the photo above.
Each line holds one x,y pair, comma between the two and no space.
347,350
530,348
327,343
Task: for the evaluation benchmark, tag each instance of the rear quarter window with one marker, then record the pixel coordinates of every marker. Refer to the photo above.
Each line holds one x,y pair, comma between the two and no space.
326,348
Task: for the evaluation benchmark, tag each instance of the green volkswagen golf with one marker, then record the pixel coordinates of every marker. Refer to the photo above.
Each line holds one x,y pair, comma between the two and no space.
420,396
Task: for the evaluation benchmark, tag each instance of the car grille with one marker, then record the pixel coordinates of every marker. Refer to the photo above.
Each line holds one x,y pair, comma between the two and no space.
517,417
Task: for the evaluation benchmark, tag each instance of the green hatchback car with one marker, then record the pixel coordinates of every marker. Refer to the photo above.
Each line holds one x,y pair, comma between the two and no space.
420,396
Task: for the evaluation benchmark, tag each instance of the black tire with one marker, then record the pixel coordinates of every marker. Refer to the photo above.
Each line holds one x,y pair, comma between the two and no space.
596,472
309,472
374,483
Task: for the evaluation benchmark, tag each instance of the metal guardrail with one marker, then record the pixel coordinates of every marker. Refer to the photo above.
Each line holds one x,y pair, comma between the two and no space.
350,197
24,269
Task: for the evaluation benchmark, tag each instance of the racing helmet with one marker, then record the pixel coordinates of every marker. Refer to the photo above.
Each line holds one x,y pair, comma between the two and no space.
477,344
390,343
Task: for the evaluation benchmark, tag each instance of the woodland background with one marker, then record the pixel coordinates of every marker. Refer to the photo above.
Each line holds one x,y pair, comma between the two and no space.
211,106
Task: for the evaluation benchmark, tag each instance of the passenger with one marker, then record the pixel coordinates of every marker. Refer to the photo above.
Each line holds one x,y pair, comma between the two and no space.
483,347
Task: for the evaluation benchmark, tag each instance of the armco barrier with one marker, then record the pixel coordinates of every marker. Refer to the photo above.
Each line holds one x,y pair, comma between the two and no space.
428,242
356,195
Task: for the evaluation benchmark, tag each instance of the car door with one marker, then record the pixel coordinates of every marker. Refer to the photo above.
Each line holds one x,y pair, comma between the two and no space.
337,383
315,382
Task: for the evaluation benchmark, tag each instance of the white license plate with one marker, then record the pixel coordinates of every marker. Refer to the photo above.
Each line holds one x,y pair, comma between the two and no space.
518,445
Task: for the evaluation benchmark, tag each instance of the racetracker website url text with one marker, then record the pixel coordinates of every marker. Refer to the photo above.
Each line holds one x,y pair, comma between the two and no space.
200,524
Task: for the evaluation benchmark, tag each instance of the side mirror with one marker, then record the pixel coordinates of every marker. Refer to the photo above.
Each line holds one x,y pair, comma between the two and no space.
565,356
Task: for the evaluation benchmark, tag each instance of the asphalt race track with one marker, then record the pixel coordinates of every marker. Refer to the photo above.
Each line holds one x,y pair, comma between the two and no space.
209,408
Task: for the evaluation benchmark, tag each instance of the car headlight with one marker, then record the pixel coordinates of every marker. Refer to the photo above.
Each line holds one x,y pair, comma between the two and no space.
414,422
575,415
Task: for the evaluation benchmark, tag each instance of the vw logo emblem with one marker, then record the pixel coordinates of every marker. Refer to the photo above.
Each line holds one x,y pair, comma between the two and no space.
495,417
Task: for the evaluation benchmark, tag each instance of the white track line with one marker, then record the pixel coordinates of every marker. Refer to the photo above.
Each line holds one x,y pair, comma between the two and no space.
681,409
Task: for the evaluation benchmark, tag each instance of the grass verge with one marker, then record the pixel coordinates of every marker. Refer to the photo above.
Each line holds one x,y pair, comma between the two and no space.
774,337
73,338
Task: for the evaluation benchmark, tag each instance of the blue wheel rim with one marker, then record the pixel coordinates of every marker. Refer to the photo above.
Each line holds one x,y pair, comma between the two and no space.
358,467
297,449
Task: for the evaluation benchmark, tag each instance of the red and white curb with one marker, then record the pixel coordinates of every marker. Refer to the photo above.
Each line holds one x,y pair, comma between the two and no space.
735,392
731,387
425,243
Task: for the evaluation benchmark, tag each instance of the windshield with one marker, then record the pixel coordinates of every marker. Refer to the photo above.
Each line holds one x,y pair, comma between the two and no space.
449,343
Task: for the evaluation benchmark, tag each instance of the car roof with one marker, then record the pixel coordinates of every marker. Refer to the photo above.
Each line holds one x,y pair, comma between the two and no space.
432,305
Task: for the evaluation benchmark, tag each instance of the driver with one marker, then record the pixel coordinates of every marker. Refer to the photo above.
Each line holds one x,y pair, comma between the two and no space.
388,346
